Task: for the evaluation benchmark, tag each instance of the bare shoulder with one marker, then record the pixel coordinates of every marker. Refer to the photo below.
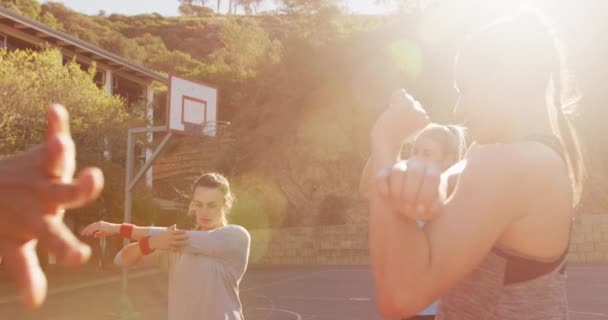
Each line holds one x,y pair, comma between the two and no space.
507,178
530,159
523,168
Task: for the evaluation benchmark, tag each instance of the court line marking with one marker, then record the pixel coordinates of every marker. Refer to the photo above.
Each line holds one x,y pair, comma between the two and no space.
280,281
88,284
271,304
270,284
589,313
350,299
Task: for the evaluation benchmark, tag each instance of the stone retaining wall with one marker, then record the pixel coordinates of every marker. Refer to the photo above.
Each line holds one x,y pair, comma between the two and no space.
348,244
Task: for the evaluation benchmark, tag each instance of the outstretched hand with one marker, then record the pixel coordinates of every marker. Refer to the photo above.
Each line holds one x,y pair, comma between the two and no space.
100,228
411,188
36,186
170,239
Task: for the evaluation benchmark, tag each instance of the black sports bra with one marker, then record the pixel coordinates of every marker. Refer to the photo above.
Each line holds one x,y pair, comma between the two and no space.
520,269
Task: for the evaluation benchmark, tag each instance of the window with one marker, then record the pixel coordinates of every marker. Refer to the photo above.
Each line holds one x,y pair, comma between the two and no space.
100,78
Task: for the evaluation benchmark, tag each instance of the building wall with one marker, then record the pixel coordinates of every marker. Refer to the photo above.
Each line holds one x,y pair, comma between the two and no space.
589,242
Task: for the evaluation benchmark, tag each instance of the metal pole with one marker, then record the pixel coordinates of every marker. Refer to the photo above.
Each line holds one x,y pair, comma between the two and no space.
148,163
128,200
130,181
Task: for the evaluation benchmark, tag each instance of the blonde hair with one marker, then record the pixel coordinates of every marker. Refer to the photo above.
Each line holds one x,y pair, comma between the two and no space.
451,138
215,180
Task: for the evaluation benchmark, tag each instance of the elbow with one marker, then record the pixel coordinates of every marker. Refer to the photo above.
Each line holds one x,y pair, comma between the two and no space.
119,260
389,311
400,302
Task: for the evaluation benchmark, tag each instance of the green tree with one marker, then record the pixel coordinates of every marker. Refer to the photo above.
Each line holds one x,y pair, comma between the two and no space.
29,81
50,20
186,9
306,6
191,8
174,61
249,6
245,45
28,8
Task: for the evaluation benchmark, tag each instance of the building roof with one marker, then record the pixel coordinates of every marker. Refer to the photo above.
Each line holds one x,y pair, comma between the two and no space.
26,27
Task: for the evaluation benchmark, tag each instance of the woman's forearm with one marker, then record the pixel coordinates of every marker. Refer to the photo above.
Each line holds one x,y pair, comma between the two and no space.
398,248
136,233
400,257
140,232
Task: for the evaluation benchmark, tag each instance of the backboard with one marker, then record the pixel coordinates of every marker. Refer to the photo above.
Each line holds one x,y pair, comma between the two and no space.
192,108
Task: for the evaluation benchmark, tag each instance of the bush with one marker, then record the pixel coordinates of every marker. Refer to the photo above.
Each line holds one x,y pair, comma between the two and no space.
30,81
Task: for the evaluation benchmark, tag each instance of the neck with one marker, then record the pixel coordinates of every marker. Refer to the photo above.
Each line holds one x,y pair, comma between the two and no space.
536,121
201,228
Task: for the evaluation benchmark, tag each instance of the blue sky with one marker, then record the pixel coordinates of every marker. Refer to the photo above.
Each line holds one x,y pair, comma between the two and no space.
169,7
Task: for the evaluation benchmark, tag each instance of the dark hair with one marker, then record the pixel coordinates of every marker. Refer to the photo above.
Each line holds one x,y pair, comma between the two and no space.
524,53
216,181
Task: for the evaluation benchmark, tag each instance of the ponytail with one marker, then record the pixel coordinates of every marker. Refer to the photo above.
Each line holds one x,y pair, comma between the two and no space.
568,137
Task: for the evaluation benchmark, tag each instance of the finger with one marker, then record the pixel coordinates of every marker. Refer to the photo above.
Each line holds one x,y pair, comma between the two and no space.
178,244
435,210
381,182
86,231
79,193
398,96
58,121
93,228
401,97
396,182
55,237
411,187
176,232
180,237
416,104
428,191
98,234
23,267
179,234
59,157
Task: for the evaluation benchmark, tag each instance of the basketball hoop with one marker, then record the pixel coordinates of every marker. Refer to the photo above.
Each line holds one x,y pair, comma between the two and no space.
216,129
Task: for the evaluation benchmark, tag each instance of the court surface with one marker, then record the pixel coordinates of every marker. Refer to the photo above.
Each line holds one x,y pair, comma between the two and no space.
313,293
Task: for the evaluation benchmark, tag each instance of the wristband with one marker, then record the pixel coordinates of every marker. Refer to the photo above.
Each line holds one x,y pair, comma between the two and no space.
126,230
144,246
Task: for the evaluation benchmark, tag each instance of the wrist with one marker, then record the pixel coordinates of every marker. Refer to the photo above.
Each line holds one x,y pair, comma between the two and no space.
152,242
395,139
114,229
125,230
145,246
